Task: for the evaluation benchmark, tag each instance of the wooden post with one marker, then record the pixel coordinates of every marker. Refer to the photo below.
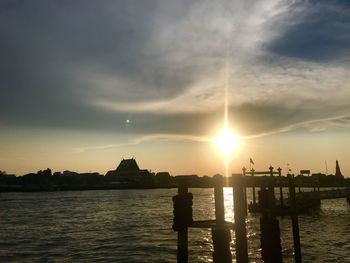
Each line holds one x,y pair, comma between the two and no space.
271,189
219,201
245,192
294,217
315,183
220,234
253,189
271,170
281,189
270,237
182,234
240,215
299,184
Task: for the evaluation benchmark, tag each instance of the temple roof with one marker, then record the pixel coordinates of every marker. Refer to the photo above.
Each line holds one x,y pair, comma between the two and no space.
128,165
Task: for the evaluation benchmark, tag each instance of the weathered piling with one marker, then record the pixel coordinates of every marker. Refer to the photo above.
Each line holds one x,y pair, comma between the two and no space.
253,189
245,192
295,222
182,220
271,249
281,189
315,184
220,233
219,201
240,216
298,184
271,188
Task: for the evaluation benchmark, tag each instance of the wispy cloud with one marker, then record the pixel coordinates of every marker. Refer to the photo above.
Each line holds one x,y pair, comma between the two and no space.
316,125
146,138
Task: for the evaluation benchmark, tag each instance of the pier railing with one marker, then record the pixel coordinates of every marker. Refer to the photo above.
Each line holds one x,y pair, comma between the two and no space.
221,229
264,202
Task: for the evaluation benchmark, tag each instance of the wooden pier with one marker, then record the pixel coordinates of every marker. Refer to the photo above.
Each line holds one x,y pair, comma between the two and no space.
335,193
305,200
266,204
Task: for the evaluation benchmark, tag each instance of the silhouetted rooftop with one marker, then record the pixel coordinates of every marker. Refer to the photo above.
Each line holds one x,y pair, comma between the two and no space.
127,165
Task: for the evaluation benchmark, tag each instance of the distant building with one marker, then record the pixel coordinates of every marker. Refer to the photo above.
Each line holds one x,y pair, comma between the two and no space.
337,170
128,166
128,171
163,178
193,178
307,172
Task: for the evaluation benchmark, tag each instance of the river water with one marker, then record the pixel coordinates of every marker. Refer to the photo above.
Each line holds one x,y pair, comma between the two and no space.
135,226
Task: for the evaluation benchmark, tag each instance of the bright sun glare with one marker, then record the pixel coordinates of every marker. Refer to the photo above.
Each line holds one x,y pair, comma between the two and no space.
226,142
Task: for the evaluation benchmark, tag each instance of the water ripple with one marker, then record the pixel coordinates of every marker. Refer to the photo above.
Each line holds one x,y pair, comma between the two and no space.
135,226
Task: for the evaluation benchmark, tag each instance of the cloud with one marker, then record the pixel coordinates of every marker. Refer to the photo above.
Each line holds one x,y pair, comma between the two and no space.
319,32
153,137
316,125
165,64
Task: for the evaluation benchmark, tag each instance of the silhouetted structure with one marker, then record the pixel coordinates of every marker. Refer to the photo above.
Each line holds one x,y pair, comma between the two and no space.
163,178
127,166
128,175
337,170
269,207
128,171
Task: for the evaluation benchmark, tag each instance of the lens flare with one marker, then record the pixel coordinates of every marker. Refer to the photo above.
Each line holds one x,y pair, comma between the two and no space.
226,142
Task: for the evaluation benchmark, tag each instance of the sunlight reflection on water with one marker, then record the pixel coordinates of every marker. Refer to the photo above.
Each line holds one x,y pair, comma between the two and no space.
135,226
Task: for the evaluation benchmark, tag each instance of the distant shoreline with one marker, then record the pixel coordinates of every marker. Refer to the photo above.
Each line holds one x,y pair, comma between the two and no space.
26,189
37,189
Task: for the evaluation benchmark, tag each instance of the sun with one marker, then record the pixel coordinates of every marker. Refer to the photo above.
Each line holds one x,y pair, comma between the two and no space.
226,142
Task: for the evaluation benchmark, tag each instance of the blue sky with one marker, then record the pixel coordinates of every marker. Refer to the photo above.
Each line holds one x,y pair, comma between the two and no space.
73,73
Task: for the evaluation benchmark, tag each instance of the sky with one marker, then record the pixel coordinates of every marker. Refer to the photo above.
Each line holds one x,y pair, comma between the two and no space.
86,83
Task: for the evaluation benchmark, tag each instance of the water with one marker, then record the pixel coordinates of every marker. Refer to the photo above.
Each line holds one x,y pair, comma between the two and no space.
135,226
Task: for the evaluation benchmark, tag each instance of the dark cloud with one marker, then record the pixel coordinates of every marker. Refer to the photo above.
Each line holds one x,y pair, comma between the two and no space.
45,45
319,32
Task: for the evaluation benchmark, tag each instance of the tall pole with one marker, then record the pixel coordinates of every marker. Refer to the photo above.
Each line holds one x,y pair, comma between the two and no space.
295,222
239,216
271,189
281,190
182,234
253,188
221,234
